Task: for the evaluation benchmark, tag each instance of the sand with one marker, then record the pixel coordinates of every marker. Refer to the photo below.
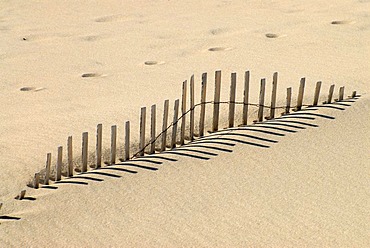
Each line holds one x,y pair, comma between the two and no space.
65,67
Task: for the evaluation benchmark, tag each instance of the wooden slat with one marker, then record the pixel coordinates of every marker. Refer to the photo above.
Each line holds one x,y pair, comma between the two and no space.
175,121
341,93
288,100
330,95
47,169
142,131
203,98
85,143
152,128
192,104
246,98
216,104
273,96
113,144
127,140
58,169
232,99
300,94
36,181
164,125
261,100
99,141
317,93
69,157
183,110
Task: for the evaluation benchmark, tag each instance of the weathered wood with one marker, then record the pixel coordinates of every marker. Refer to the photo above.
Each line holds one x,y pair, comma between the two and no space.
354,93
113,144
216,101
142,131
85,143
246,98
317,93
47,169
341,93
300,94
1,205
175,121
288,100
21,195
192,104
232,99
36,181
69,157
58,169
152,128
203,98
127,141
164,125
330,95
99,144
183,110
261,100
273,96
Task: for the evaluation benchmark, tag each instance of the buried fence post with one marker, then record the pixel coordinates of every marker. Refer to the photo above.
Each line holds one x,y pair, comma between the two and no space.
216,103
232,100
47,169
152,128
261,100
174,127
183,110
317,93
246,98
36,181
69,157
273,96
331,91
192,108
99,140
127,141
142,131
300,94
113,144
164,125
354,93
85,137
58,169
203,104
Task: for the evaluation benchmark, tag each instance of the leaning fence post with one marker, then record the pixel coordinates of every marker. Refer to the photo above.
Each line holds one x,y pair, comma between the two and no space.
246,98
113,146
203,104
47,169
261,100
69,157
58,169
331,91
152,128
142,131
317,93
192,104
175,120
99,141
85,141
300,94
183,110
127,140
232,99
164,125
36,180
273,96
216,103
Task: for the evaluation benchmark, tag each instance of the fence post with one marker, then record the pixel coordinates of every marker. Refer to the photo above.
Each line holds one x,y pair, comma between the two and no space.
85,140
262,100
341,93
47,169
273,96
152,128
127,140
99,141
69,157
354,93
192,108
203,104
36,181
232,100
216,104
183,110
113,144
300,94
142,131
317,93
246,98
330,95
58,169
164,125
175,120
288,100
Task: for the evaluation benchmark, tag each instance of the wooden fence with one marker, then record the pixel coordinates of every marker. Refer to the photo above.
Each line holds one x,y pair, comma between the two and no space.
181,118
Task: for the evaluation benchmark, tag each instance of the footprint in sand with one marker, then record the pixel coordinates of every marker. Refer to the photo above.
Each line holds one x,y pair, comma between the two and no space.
219,49
32,89
274,36
91,75
152,62
342,22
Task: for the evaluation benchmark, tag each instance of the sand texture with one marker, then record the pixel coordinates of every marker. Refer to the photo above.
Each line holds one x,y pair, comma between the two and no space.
297,181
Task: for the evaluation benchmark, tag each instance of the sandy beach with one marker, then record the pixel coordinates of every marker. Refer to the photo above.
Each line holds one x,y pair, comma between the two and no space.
67,66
